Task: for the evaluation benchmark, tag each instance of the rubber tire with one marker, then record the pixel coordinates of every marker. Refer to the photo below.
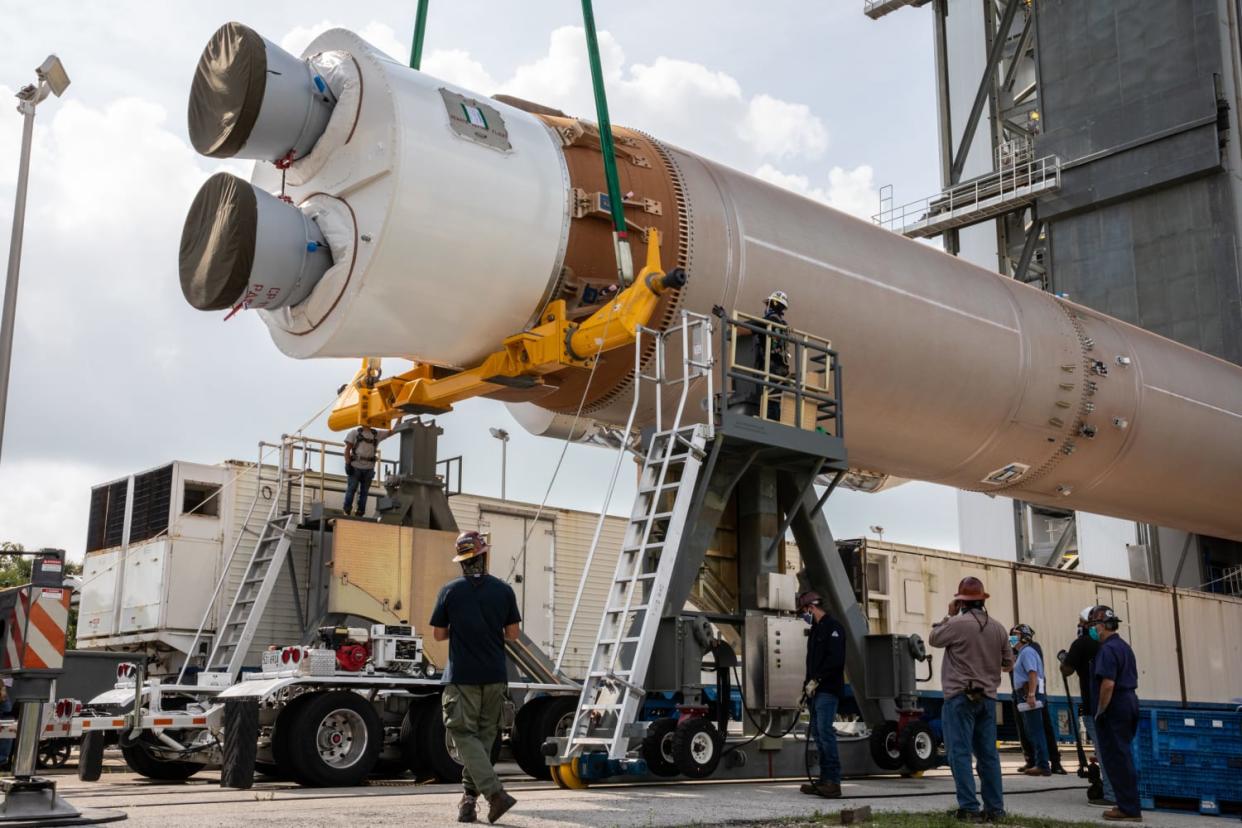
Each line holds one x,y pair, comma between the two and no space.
241,743
683,737
549,713
281,766
144,764
885,749
436,749
659,736
90,756
909,742
525,743
412,725
308,768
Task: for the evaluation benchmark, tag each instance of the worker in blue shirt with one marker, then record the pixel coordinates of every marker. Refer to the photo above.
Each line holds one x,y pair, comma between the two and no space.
1028,692
824,685
1114,675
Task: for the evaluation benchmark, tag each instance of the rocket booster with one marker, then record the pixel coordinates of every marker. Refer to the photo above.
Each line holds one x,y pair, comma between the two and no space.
403,216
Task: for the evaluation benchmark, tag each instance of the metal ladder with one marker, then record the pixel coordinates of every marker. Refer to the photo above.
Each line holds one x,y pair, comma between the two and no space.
235,636
613,692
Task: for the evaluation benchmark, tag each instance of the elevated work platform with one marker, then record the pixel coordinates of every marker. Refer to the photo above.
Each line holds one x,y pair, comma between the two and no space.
976,201
876,9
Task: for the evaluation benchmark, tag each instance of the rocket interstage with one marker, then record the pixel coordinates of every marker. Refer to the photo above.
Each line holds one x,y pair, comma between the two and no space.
452,219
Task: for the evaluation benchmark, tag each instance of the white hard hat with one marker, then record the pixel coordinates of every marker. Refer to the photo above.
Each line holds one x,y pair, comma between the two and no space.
1085,615
779,297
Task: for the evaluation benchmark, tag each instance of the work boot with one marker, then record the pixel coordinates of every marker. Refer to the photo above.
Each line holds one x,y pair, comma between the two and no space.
499,803
1118,815
993,816
828,790
466,810
963,815
1101,802
1038,772
1059,771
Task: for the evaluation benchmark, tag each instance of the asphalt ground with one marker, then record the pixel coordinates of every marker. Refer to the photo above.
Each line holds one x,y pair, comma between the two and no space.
202,802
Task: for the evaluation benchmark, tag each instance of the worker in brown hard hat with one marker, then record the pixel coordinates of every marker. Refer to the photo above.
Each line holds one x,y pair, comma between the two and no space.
977,651
823,688
476,613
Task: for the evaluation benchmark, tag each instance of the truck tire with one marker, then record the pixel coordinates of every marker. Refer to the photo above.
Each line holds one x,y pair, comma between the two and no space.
412,753
697,747
657,747
918,746
140,761
90,756
886,747
282,763
241,743
545,720
436,750
335,739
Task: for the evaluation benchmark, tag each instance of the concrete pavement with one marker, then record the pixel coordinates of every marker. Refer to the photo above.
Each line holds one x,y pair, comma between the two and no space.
201,802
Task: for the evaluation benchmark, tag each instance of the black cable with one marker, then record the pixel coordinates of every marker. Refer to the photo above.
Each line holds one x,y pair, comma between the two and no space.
759,731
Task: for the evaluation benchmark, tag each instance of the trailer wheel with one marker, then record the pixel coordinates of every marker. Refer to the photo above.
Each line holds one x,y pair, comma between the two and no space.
138,757
436,749
281,766
696,747
241,743
412,727
90,756
525,741
54,753
335,740
658,747
885,747
918,746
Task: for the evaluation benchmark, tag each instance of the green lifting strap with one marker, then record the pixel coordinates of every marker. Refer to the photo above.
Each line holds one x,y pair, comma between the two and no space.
420,29
625,265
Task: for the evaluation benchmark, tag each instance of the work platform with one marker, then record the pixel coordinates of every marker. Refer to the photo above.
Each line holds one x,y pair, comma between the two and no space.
876,9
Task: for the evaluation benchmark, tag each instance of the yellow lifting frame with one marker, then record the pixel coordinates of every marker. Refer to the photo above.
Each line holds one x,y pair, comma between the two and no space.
522,361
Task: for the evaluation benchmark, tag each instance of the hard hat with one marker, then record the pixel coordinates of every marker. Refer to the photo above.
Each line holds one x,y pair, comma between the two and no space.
1085,615
470,545
808,598
1105,614
1023,631
779,297
970,588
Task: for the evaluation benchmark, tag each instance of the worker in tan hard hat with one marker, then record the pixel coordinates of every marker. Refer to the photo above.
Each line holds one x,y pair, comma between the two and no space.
475,614
976,652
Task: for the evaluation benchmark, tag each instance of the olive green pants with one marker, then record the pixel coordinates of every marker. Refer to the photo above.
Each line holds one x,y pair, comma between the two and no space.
472,717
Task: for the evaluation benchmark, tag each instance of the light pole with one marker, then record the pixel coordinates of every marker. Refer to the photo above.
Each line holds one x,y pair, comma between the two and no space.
879,530
503,436
53,79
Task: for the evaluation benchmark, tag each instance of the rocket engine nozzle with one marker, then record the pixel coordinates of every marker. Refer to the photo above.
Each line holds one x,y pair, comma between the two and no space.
243,246
252,99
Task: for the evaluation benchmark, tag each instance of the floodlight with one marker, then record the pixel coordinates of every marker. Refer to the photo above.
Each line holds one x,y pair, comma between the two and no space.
52,72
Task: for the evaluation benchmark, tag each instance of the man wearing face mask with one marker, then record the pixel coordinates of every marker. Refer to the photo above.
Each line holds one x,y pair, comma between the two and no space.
475,614
1077,659
1114,682
1028,691
825,682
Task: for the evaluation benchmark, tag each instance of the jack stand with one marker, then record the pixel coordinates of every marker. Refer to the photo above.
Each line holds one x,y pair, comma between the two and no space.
29,799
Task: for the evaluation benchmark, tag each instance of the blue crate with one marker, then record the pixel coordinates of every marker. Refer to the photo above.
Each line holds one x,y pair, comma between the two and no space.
1190,754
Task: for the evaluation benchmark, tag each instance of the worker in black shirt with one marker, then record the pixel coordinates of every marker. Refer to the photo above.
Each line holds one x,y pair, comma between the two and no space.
1077,659
476,614
772,353
825,682
1114,682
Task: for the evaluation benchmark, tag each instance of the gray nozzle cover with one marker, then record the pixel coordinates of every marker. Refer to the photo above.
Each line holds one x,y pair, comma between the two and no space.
252,99
241,244
217,242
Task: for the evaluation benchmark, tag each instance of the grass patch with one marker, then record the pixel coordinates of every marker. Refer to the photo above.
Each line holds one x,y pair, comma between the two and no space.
898,819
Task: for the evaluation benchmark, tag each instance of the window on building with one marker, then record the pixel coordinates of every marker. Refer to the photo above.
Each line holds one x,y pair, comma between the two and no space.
201,499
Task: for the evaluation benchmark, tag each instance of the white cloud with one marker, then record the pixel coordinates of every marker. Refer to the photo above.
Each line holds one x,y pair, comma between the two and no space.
781,129
456,66
44,504
852,191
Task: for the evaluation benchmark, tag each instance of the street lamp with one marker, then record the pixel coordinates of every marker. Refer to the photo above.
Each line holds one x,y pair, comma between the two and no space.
879,530
503,436
54,80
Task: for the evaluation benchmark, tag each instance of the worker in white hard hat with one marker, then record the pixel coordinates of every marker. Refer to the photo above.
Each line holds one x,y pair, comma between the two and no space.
771,352
476,614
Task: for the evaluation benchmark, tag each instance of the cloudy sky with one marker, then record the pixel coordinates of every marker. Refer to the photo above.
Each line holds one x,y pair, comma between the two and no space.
113,373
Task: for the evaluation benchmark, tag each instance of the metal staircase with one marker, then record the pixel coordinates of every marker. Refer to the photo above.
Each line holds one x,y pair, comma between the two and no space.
613,692
262,571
